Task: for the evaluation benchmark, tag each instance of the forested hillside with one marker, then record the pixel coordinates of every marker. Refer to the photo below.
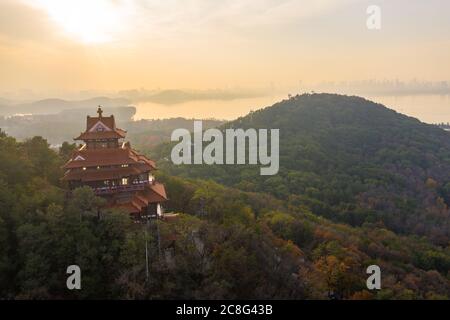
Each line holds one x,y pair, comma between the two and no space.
351,161
43,231
358,185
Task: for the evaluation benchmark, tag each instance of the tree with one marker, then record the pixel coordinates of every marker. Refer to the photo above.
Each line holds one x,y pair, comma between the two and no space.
66,150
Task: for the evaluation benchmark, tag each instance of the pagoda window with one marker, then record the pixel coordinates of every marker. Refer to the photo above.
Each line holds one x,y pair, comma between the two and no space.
106,182
84,168
124,181
125,166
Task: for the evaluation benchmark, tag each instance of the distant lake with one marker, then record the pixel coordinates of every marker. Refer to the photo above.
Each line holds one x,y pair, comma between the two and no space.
203,109
427,108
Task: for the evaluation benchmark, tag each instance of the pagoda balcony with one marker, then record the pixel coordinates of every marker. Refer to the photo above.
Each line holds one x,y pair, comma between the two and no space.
122,188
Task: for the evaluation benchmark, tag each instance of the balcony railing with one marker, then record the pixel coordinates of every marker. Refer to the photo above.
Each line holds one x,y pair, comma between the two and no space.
122,188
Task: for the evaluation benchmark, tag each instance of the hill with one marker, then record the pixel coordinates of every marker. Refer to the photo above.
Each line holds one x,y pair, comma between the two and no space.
308,233
349,160
53,106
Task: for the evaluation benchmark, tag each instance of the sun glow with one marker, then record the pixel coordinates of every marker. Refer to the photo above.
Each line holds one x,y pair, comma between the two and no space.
88,21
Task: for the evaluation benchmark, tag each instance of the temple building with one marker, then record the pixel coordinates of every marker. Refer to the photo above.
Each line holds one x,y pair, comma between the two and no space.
114,170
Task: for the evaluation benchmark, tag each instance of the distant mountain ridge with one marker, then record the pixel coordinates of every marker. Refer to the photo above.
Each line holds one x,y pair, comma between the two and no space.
52,106
175,96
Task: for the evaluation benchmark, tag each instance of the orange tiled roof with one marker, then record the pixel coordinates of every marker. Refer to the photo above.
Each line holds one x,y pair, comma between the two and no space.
107,121
159,192
153,194
109,125
141,158
106,157
114,134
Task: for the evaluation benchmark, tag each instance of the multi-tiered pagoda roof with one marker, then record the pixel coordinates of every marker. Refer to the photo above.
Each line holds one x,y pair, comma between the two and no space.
114,170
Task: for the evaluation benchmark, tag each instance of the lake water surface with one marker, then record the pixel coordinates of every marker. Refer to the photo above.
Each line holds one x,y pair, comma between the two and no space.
427,108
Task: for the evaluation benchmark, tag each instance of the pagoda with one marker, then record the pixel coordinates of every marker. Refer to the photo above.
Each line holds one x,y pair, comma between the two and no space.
114,170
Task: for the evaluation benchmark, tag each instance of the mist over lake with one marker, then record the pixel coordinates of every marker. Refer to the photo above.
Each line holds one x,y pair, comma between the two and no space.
427,108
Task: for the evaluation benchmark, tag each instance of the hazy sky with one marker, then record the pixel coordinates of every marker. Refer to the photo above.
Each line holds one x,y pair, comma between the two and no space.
69,45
